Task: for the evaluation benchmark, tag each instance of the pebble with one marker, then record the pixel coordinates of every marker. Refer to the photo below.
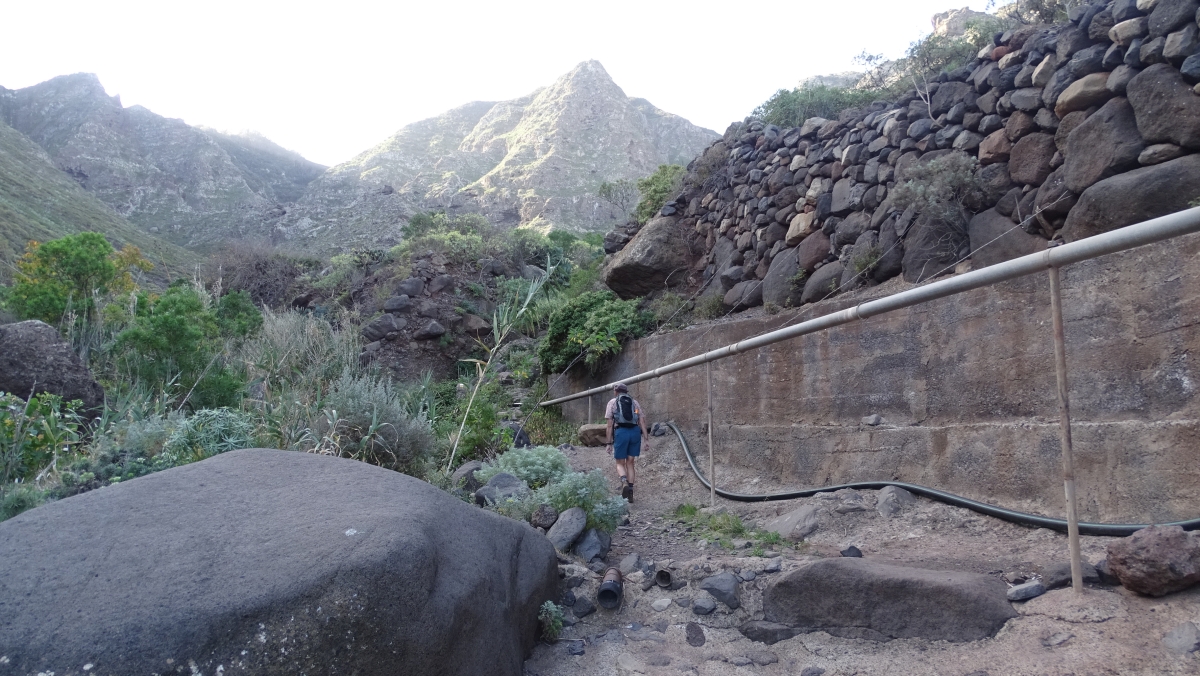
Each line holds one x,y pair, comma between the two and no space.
773,566
1024,592
852,552
683,602
740,661
1183,639
575,648
1057,639
661,604
747,575
762,657
703,605
771,555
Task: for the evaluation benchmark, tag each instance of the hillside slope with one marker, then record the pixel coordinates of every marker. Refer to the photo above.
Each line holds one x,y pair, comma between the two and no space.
39,202
536,160
163,175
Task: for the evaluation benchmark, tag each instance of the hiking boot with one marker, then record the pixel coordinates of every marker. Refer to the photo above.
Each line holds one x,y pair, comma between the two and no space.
627,491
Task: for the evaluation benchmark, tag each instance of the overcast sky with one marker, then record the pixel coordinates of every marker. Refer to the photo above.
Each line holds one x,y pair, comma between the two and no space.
333,79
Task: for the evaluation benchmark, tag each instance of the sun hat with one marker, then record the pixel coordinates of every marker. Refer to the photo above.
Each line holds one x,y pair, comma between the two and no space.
621,387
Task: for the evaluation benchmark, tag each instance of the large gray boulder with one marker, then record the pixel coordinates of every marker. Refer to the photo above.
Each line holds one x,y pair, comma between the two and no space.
1167,109
858,598
1133,197
658,255
781,286
995,239
932,247
35,359
822,283
263,561
1106,143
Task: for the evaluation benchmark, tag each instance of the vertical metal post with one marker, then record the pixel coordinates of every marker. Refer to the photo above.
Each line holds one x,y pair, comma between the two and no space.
590,396
1064,413
712,480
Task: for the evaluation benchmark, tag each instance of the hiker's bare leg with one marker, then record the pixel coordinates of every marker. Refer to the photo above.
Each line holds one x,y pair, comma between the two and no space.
620,468
629,471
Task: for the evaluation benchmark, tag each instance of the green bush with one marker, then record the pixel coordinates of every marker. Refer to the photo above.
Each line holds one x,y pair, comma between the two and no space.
20,498
593,326
657,188
365,418
551,617
70,274
941,190
206,433
587,491
177,338
790,108
34,433
535,465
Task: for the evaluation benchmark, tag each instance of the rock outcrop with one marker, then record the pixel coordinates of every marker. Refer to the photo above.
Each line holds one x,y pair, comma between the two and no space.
263,561
1077,128
35,359
1156,561
537,160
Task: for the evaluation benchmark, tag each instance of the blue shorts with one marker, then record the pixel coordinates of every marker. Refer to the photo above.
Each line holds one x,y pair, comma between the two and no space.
627,442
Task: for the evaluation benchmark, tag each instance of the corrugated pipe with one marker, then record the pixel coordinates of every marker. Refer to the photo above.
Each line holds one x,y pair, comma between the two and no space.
1111,529
1121,239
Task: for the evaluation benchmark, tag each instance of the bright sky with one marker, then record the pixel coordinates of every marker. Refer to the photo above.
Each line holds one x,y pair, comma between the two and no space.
332,79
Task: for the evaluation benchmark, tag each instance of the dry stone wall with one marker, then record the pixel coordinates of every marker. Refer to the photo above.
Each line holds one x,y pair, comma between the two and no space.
1078,129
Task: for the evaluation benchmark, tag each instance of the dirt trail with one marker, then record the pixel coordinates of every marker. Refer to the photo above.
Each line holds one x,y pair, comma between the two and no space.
1108,631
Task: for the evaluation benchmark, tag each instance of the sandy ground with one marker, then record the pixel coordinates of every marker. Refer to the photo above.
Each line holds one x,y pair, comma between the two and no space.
1108,630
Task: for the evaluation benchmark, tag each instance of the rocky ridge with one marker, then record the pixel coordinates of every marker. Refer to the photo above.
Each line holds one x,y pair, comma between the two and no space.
170,179
536,160
1078,129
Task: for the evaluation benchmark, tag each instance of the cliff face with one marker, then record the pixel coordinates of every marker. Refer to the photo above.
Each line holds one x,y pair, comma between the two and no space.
163,175
536,160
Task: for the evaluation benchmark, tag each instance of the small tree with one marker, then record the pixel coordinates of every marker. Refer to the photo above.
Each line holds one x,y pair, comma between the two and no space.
621,195
69,273
656,188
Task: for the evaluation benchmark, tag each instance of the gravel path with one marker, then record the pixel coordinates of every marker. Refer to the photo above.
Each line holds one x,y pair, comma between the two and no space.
1109,630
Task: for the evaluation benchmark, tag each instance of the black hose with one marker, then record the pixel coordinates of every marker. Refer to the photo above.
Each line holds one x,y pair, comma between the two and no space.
1111,529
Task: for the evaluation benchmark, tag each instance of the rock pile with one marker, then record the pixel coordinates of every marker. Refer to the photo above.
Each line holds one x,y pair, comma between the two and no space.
1078,129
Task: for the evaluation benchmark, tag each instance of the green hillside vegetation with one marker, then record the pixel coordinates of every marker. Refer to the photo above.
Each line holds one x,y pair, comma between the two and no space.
39,202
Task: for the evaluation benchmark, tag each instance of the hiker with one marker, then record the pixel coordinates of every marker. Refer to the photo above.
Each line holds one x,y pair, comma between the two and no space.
626,429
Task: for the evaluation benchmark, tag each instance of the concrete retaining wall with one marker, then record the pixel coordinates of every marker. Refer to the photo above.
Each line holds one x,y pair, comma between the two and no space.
966,388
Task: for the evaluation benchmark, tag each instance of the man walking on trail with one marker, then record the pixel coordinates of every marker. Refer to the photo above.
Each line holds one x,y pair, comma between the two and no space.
626,429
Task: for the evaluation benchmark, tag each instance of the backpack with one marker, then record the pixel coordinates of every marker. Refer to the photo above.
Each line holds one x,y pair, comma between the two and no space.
625,415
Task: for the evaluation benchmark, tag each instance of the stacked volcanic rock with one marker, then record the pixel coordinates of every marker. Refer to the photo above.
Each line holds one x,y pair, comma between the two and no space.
1078,129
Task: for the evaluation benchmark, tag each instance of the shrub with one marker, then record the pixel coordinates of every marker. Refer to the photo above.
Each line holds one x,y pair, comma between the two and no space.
267,274
33,433
587,491
656,188
551,617
365,418
670,310
206,433
176,338
70,273
535,465
593,326
941,189
620,195
20,498
710,307
790,108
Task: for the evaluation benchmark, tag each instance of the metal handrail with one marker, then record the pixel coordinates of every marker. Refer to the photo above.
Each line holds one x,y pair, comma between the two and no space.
1130,237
